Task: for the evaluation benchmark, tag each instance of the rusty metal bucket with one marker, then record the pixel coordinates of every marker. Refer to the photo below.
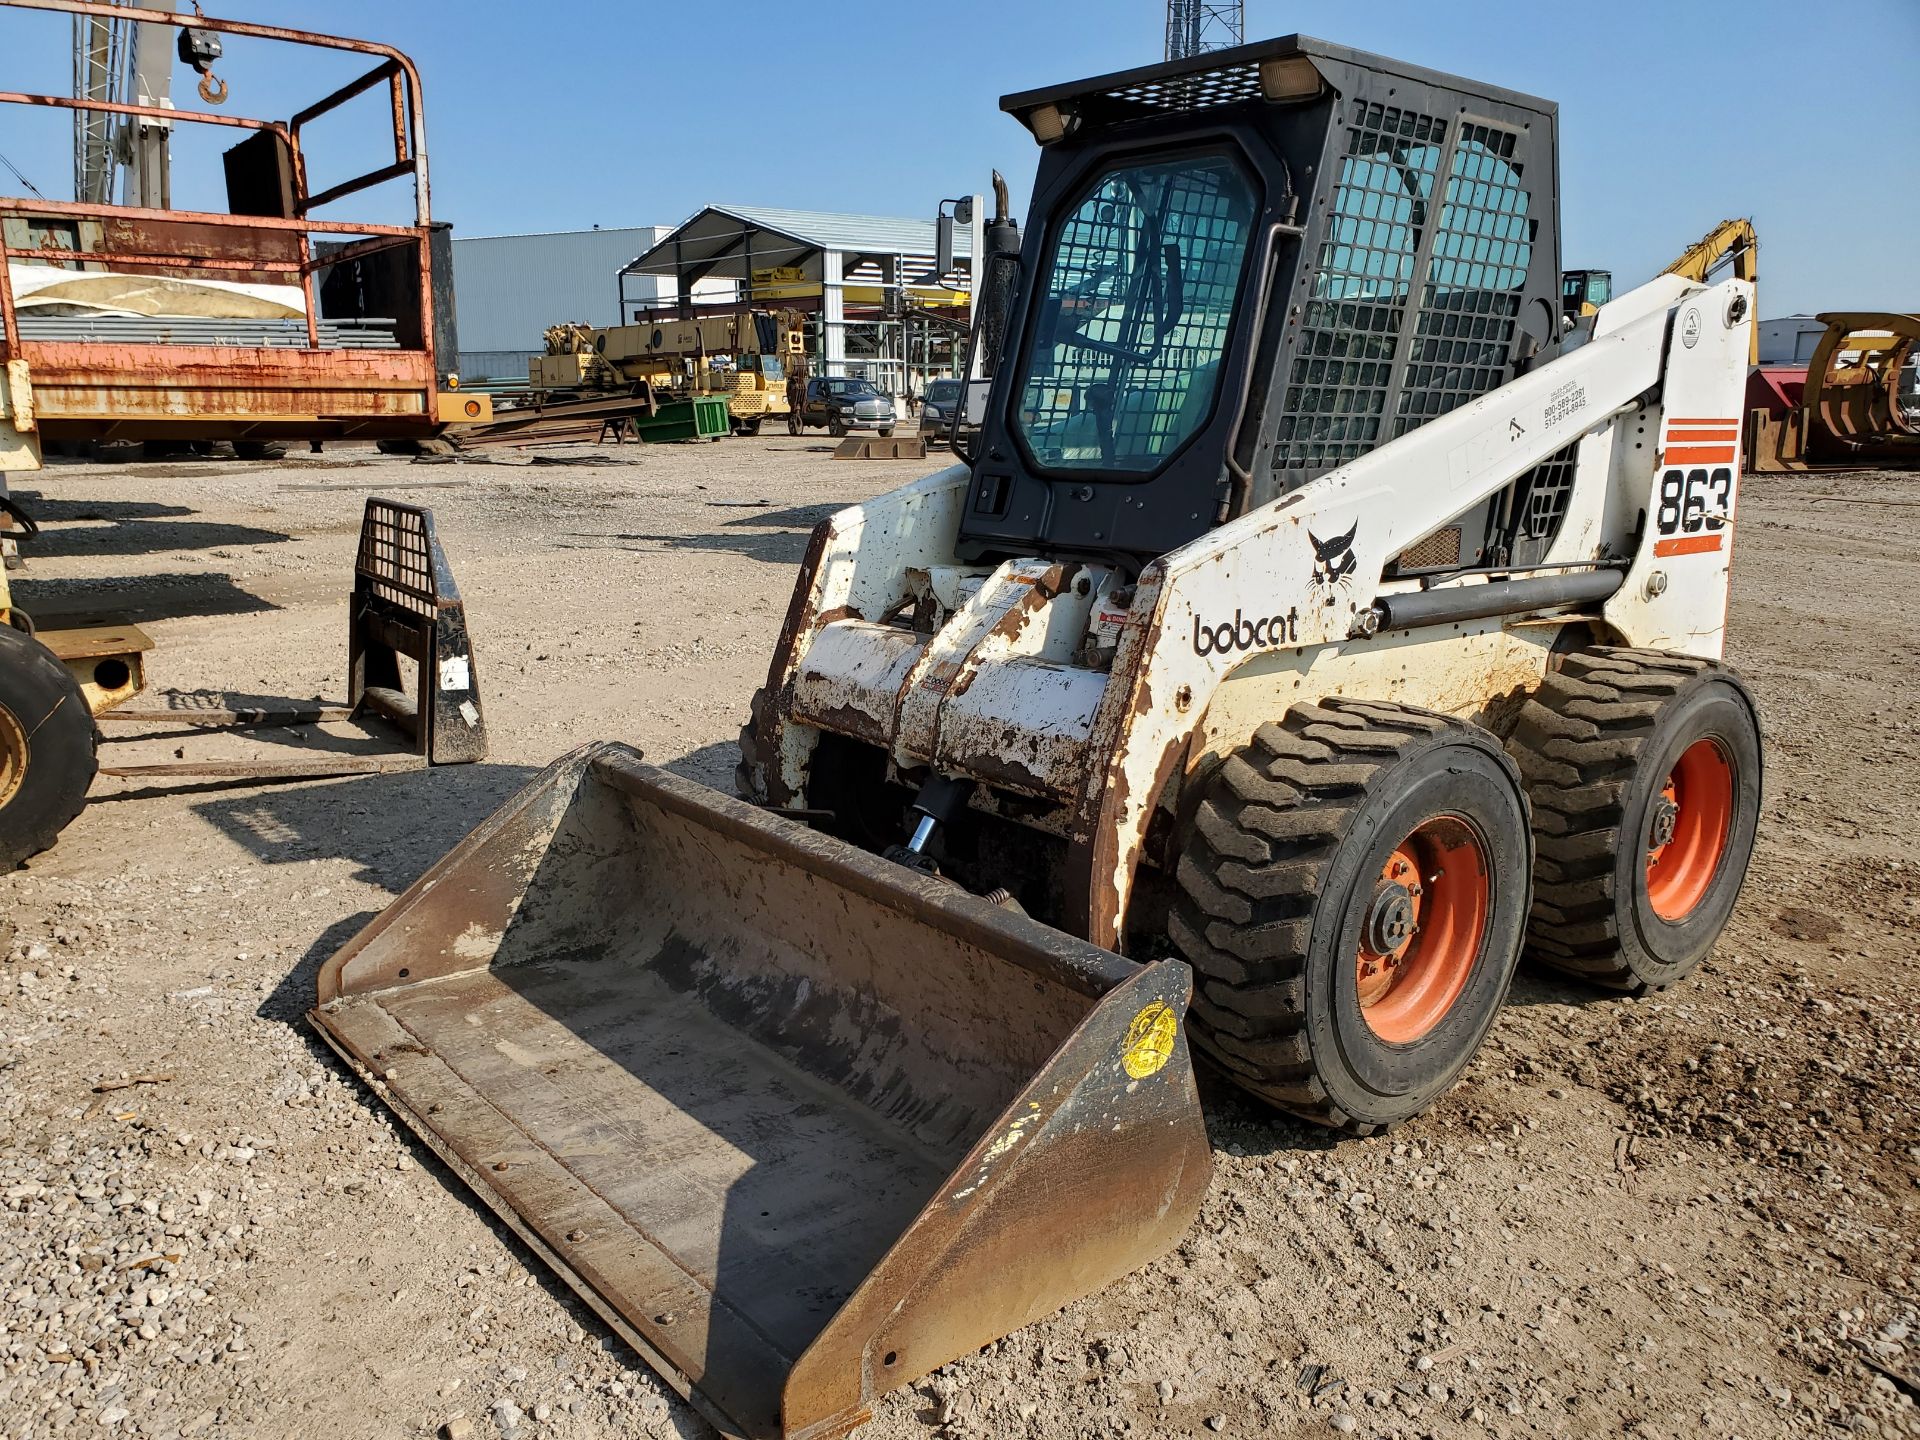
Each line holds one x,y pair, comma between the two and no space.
800,1124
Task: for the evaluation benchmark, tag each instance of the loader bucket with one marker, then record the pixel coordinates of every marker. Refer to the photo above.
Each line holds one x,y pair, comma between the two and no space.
799,1123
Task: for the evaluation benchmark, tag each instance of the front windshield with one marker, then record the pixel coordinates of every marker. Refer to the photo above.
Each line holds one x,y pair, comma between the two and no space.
943,392
857,389
1134,313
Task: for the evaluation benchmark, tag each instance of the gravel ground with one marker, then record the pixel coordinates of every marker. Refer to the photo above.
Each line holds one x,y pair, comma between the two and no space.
1693,1214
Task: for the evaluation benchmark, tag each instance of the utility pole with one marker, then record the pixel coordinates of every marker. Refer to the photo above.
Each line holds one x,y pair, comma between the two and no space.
149,141
120,61
1196,26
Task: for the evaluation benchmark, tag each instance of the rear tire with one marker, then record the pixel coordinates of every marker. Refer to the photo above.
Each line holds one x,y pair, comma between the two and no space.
47,740
1644,768
1352,894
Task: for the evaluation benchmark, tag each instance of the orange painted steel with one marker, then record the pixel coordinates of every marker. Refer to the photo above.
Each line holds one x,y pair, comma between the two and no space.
1686,844
1408,979
139,391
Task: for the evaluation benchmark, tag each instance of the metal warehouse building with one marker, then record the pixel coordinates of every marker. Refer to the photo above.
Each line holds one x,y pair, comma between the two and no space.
507,289
880,307
876,307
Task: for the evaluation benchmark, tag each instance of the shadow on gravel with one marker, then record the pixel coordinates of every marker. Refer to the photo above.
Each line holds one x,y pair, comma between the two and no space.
170,596
51,509
293,996
1252,1127
391,826
709,765
780,547
127,527
778,537
142,537
794,517
1538,984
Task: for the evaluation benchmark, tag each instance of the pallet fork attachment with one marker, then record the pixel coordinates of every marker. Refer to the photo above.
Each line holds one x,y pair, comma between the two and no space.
404,606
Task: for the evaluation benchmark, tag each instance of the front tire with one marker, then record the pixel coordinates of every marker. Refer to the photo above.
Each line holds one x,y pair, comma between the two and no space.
47,745
1645,770
1353,891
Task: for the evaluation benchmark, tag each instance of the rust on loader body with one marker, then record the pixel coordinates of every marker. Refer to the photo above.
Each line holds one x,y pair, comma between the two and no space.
802,1125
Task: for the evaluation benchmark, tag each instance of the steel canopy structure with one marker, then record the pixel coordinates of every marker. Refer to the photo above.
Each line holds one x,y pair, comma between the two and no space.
869,281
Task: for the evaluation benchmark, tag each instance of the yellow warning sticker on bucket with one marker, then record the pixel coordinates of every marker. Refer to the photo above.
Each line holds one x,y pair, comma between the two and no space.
1149,1040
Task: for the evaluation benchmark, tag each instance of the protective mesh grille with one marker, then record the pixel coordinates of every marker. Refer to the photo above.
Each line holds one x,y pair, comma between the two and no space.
1342,370
394,557
1544,492
1228,85
1440,548
1470,302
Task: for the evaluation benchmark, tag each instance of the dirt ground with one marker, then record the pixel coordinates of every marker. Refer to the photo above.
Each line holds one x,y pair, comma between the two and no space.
1688,1215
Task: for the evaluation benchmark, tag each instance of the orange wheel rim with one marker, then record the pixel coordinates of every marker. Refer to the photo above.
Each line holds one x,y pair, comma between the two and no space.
1688,829
1423,929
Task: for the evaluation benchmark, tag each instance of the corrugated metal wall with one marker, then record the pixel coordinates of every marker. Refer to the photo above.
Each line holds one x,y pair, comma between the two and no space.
509,288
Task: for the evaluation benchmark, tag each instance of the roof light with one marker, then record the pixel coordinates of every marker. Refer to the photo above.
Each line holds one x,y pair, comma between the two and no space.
1289,77
1050,123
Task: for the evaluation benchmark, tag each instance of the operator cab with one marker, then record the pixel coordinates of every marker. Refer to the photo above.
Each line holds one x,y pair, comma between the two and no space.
1244,269
1583,292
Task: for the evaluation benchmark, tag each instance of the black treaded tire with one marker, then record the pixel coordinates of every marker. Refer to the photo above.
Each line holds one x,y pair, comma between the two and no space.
1596,743
45,721
1277,873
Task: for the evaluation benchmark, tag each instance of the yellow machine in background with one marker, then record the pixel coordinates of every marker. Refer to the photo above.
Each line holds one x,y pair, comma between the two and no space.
1729,240
743,356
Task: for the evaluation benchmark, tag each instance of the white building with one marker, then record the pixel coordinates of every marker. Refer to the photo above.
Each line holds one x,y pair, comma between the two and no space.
1789,340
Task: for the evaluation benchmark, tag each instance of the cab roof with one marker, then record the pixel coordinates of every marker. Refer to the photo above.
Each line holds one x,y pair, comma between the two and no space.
1291,68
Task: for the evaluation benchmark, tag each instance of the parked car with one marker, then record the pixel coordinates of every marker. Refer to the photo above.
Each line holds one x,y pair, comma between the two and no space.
936,409
842,404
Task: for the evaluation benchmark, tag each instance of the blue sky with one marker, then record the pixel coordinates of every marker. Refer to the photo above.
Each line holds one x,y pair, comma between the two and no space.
1674,113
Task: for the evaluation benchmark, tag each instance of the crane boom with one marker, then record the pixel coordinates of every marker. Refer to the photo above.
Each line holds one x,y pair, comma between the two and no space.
1729,240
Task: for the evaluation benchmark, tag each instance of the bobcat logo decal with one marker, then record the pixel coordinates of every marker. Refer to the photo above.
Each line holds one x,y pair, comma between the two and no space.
1333,560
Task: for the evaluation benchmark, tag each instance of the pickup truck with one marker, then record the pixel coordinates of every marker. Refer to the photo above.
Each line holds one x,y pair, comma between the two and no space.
843,404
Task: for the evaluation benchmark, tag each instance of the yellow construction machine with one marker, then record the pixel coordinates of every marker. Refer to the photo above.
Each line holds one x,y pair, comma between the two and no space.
742,356
1729,241
1308,626
1853,404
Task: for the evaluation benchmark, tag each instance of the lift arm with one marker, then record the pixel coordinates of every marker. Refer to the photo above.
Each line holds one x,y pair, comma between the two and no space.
1312,563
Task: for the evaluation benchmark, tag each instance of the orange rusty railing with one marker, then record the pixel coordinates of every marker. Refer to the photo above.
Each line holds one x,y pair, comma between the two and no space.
245,254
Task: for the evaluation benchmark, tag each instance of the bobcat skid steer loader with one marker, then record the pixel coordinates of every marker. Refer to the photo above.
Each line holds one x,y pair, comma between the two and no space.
1312,626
